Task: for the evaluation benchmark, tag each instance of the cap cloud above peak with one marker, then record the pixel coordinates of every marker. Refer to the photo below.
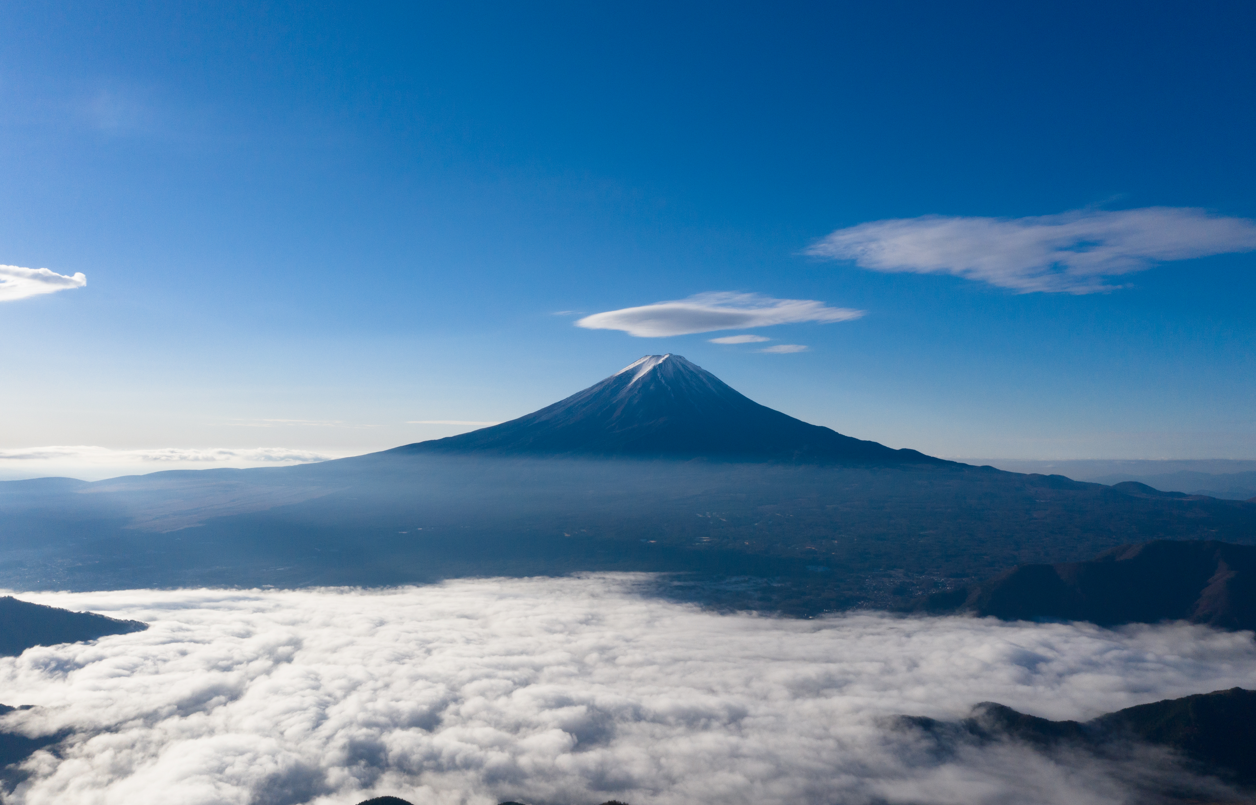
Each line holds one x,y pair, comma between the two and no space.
708,312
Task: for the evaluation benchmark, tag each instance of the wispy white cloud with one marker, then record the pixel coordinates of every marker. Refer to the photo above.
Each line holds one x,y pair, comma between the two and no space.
450,422
568,690
119,110
739,339
707,312
785,348
20,283
130,110
1074,252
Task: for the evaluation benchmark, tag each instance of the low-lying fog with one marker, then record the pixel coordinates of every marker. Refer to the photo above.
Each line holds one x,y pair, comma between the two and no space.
569,690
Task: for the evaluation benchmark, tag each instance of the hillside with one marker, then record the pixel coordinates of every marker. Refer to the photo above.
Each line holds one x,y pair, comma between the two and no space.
1201,581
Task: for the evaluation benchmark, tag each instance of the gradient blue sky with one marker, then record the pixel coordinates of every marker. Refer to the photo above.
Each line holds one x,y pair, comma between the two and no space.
305,226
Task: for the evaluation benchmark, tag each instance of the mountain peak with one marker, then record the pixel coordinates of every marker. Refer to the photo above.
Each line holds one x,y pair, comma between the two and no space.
646,363
663,406
650,363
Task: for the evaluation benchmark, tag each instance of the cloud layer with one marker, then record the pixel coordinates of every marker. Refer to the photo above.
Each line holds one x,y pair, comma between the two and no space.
708,312
93,463
573,690
1075,252
19,283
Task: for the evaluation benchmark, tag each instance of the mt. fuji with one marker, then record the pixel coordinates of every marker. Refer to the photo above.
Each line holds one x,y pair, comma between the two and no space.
659,468
663,406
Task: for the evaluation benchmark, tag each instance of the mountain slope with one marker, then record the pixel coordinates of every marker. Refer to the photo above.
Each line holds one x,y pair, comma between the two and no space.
664,406
23,625
1214,733
1202,581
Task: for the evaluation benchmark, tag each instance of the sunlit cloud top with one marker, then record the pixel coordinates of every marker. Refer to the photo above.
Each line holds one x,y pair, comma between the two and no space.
572,690
1074,252
708,312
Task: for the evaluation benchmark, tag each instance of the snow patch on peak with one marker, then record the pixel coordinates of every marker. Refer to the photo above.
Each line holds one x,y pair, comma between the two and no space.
643,366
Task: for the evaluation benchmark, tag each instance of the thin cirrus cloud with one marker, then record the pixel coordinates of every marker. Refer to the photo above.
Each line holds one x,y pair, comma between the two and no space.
785,349
739,339
450,422
575,690
708,312
1074,252
21,283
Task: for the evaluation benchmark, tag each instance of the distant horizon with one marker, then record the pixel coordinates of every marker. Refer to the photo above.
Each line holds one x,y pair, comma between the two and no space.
93,463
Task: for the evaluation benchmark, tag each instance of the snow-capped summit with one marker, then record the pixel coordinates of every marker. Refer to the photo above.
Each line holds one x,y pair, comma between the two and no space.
664,406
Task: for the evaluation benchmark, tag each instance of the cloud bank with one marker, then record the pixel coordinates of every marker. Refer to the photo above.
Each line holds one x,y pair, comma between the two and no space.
88,462
20,283
707,312
571,690
1075,252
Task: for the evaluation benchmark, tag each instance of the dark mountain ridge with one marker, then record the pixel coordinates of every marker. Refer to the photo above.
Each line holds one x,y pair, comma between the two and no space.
24,625
665,406
1212,733
1201,581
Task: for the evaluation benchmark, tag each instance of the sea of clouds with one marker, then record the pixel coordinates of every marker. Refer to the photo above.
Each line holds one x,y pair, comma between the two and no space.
574,690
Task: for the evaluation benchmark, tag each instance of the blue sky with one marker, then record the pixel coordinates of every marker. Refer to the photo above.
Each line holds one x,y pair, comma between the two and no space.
307,228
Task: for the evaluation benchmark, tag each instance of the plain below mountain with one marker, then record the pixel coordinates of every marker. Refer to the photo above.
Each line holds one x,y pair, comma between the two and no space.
663,406
1210,734
1203,581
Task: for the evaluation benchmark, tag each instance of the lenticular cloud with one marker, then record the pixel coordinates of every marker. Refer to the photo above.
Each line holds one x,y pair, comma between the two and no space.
564,691
708,312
